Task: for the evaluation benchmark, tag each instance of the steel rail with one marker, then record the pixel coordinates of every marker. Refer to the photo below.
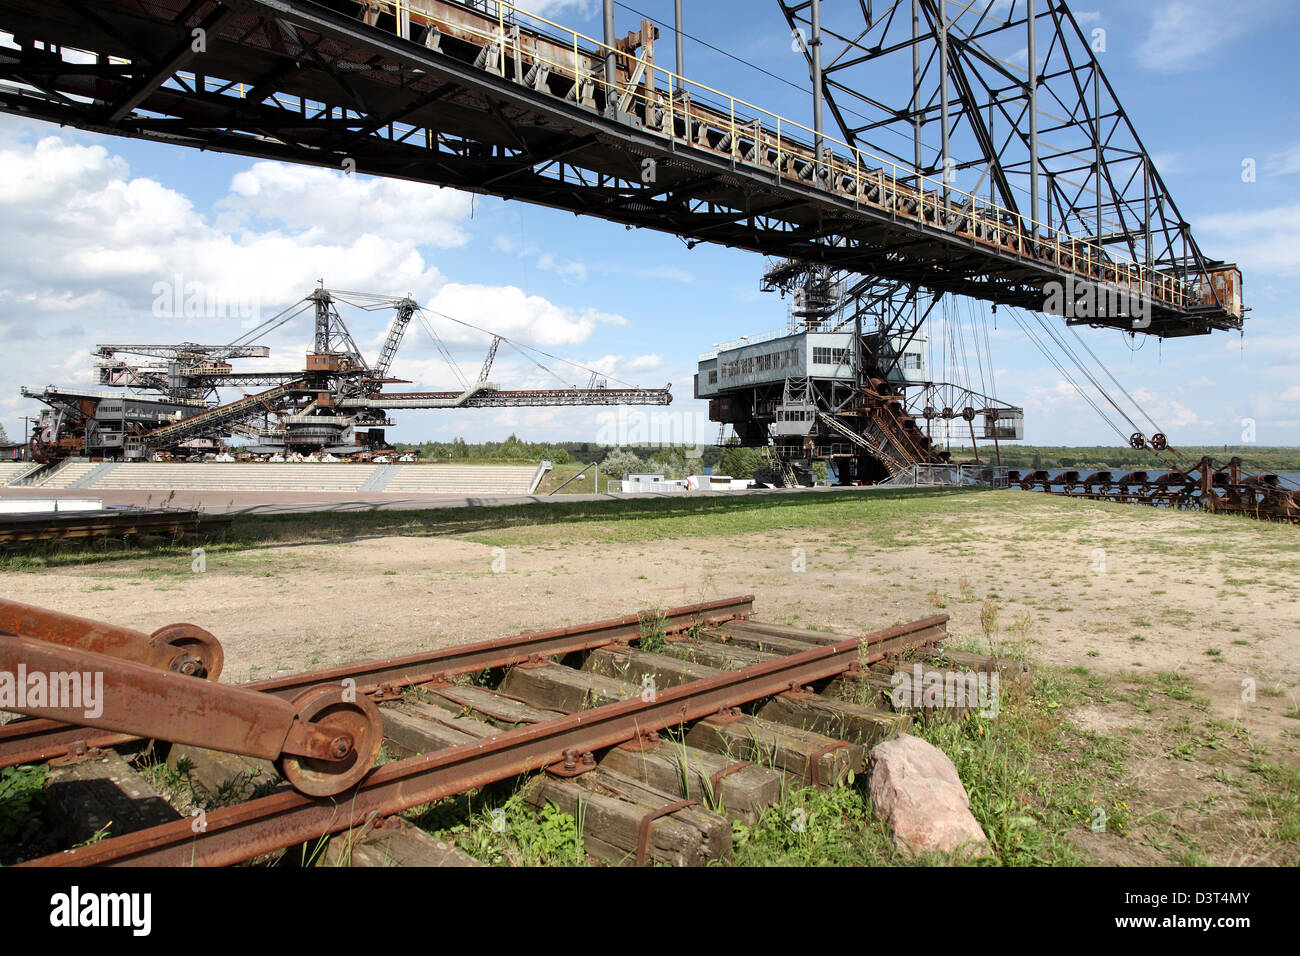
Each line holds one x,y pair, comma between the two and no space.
286,818
38,739
22,528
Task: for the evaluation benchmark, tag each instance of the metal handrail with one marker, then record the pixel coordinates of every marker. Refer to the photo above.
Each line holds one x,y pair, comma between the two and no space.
1126,272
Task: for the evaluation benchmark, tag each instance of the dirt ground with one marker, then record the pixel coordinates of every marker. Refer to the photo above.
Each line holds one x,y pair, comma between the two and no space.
1088,588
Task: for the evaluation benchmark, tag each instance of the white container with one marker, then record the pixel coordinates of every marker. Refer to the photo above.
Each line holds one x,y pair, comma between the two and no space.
47,505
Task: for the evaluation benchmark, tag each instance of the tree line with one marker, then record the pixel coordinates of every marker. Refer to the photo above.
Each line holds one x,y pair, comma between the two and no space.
678,461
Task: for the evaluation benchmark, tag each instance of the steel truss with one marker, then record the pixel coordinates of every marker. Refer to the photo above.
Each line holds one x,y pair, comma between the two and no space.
1048,139
450,94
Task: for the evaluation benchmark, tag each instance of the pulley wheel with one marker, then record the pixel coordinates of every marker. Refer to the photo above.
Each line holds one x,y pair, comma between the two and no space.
325,706
1137,441
1159,442
197,653
968,413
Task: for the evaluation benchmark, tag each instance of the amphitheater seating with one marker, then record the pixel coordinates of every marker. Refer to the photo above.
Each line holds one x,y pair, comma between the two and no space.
469,480
224,476
11,470
67,474
463,480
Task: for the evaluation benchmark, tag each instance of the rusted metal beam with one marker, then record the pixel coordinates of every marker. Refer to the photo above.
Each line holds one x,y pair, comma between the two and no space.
26,741
325,739
239,833
182,648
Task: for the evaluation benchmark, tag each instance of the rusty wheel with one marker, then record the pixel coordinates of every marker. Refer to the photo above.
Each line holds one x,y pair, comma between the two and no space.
195,652
325,705
1159,442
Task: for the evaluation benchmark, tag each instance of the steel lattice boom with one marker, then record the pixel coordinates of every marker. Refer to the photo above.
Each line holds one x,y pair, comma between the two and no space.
484,97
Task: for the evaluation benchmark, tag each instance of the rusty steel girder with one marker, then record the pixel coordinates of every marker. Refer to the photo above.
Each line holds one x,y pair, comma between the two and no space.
181,648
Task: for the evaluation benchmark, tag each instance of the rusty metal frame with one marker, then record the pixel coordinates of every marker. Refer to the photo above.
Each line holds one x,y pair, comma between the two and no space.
1222,489
646,822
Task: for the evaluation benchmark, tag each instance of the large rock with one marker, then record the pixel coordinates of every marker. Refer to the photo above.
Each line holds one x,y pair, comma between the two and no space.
915,789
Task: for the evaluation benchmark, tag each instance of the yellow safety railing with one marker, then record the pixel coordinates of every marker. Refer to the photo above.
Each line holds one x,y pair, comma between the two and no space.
984,221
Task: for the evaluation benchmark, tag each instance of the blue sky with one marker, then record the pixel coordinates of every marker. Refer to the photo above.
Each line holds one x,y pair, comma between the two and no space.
92,223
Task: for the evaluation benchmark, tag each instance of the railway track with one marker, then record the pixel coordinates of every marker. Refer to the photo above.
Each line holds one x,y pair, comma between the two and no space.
753,709
19,530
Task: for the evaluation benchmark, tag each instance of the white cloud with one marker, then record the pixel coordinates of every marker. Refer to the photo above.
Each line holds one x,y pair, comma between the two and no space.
576,270
569,268
551,8
509,311
1267,240
84,237
1285,162
1168,163
1184,33
1168,413
319,203
644,363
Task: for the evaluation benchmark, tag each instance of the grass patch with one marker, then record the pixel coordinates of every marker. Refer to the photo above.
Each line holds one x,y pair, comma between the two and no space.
505,831
23,832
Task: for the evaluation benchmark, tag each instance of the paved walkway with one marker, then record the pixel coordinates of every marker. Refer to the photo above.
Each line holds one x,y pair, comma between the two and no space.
302,502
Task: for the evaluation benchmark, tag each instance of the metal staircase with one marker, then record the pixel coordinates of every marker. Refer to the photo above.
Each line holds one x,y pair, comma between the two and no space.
872,440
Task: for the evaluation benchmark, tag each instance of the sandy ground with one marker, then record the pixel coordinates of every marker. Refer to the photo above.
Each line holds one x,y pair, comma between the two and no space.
1087,597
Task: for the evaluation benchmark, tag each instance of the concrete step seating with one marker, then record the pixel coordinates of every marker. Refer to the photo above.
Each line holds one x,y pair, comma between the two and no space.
234,476
462,480
11,470
67,474
469,480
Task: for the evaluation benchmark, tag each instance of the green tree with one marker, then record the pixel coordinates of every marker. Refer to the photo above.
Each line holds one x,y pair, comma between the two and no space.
621,462
739,462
